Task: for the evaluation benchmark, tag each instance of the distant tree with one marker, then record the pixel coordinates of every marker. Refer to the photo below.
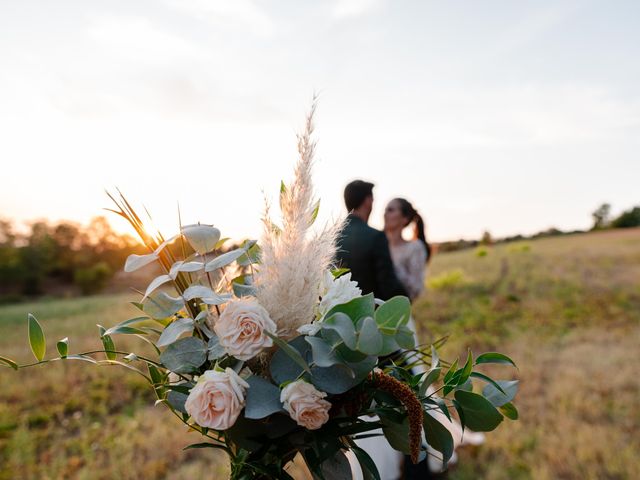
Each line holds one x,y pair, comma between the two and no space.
628,219
486,239
601,216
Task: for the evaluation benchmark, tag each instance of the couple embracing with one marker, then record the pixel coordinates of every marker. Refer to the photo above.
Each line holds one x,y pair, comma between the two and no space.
385,264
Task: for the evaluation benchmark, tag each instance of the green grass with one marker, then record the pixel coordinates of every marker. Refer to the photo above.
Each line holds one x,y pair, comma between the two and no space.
566,309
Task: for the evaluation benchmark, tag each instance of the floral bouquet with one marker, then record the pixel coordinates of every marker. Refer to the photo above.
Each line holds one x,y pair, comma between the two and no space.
270,353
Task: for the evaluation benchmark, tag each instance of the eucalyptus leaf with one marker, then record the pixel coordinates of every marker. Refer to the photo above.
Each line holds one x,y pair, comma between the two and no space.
290,351
393,313
405,337
161,305
214,349
341,324
182,266
357,308
155,283
499,398
479,414
207,295
282,369
177,400
185,355
369,338
174,330
323,353
224,260
202,238
135,262
262,397
36,338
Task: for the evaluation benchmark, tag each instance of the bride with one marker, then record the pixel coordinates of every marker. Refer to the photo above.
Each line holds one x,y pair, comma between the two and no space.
410,259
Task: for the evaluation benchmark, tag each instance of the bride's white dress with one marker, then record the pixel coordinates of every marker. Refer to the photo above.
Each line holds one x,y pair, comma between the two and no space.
409,260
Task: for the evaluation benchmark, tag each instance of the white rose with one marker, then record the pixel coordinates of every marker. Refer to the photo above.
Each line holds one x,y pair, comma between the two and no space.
336,291
217,399
241,328
305,404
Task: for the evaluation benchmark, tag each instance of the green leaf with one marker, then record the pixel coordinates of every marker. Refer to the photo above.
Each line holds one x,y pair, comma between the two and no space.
497,397
467,369
282,369
323,353
452,370
124,331
369,338
405,337
368,466
397,434
316,210
341,324
63,347
185,355
214,349
291,352
174,330
9,362
338,272
263,398
336,467
161,305
429,378
494,357
36,338
510,411
177,400
479,414
389,345
357,308
156,376
438,436
487,379
108,344
204,445
84,358
392,314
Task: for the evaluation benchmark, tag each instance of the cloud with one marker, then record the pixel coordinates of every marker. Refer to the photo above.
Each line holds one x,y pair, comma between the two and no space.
354,8
139,40
244,14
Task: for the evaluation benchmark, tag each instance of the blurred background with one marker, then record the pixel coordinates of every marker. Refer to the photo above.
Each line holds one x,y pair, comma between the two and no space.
512,127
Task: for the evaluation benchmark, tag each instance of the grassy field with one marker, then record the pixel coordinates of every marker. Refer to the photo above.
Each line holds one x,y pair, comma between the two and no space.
566,309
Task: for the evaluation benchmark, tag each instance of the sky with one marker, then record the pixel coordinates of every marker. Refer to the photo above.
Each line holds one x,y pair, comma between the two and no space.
504,116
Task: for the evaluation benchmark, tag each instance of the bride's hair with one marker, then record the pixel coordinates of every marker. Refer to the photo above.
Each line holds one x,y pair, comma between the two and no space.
412,215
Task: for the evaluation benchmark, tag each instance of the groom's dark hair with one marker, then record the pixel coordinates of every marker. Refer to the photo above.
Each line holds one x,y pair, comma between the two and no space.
356,192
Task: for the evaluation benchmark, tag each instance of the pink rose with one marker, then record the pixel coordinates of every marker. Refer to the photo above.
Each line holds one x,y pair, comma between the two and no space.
305,404
217,399
241,328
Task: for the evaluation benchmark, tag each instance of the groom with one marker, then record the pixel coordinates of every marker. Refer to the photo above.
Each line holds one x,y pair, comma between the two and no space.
365,250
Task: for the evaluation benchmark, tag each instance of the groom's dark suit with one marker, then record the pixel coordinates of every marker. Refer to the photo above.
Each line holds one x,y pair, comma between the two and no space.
365,251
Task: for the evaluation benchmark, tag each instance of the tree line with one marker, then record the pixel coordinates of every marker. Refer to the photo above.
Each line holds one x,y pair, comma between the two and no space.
51,256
